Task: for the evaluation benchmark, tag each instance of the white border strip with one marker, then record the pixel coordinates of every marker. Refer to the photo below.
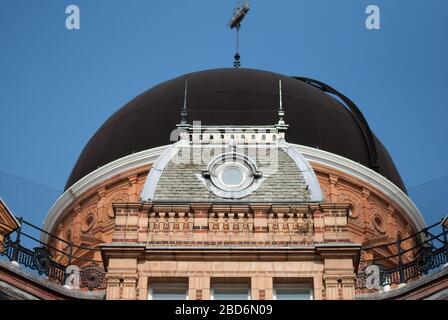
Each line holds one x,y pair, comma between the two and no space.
313,155
367,175
152,180
306,169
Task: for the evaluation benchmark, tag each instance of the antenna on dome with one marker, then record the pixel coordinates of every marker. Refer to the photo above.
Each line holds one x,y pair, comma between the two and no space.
184,112
281,126
239,13
281,112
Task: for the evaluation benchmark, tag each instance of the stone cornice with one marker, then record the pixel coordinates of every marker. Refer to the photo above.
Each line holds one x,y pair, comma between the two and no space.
198,253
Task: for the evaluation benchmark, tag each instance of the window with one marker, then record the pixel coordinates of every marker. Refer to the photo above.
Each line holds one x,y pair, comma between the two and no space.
167,291
232,176
293,291
230,292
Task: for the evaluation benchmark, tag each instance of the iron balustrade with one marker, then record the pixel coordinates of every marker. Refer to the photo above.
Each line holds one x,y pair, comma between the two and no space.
41,260
429,253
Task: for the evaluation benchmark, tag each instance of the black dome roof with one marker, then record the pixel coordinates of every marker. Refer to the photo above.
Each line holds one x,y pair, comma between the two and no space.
238,97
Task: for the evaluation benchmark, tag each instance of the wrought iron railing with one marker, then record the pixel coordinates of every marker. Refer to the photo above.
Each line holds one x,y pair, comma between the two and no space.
40,259
430,252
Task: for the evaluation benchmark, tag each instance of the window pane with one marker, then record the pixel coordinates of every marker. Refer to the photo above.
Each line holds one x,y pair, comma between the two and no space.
168,292
292,293
230,293
160,295
232,176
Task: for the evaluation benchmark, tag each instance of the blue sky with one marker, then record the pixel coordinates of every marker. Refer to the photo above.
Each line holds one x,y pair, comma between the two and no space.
58,86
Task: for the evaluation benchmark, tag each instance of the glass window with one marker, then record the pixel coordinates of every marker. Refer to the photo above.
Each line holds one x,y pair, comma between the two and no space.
167,291
230,292
292,292
232,176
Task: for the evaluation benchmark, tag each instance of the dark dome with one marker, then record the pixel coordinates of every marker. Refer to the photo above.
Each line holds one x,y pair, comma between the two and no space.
238,97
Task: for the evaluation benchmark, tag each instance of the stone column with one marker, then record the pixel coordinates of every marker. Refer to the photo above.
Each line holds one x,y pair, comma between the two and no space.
113,288
142,288
318,286
261,288
339,282
130,287
331,288
199,288
348,288
122,266
339,271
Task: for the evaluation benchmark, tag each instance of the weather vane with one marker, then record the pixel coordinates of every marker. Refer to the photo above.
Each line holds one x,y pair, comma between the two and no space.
239,14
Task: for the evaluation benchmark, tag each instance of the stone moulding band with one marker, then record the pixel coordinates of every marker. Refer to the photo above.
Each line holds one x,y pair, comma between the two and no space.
312,155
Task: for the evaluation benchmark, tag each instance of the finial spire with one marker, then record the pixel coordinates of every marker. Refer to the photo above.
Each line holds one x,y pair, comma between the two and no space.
281,125
184,112
238,15
281,112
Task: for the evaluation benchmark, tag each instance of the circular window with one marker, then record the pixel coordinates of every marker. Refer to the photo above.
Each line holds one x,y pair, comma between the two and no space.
232,176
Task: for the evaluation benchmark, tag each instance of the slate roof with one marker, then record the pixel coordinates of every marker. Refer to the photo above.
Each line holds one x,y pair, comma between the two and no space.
179,180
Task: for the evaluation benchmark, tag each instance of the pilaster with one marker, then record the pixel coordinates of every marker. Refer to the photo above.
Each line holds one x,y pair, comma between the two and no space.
199,288
261,288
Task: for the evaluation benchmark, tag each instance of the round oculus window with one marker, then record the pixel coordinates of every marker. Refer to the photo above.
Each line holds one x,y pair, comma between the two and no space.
232,176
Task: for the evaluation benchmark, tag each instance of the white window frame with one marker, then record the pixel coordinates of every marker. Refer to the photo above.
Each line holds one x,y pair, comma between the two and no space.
292,286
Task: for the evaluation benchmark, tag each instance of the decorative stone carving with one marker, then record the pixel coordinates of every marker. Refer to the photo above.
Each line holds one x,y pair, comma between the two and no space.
93,277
